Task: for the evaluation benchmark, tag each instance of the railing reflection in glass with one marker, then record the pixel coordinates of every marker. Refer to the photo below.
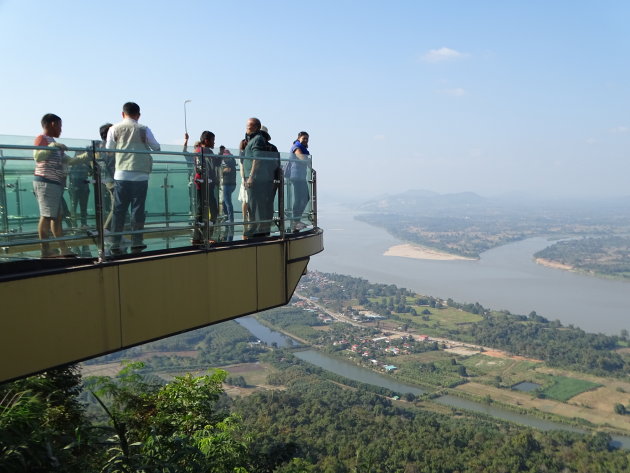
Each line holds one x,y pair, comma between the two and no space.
193,199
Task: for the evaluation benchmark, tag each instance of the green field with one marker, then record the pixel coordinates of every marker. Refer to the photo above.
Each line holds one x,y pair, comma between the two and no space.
429,356
447,318
437,373
510,372
564,388
487,368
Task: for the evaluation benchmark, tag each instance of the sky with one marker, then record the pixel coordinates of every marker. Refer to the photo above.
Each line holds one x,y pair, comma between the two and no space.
451,96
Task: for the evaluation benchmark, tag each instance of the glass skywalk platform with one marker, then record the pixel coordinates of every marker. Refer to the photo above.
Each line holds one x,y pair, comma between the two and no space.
197,264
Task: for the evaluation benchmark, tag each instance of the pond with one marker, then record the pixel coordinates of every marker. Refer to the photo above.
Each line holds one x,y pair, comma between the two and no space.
526,386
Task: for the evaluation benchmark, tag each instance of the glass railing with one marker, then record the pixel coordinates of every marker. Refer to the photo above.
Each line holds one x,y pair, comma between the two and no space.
192,199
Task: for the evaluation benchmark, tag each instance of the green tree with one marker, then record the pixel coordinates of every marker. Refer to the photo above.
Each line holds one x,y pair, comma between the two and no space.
176,427
296,465
236,381
410,397
42,424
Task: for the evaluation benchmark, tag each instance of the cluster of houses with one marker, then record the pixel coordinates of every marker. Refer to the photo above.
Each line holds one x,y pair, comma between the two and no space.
366,315
304,305
381,347
316,279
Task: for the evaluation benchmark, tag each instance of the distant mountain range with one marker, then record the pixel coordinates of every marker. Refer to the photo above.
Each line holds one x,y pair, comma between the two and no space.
413,201
425,202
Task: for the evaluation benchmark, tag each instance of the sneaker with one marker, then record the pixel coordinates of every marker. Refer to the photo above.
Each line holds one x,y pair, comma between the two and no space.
138,248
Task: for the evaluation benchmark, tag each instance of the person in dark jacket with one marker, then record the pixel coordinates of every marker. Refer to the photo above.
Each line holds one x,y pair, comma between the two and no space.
260,169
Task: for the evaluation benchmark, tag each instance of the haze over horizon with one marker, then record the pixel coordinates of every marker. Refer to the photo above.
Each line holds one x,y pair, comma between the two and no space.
452,96
522,198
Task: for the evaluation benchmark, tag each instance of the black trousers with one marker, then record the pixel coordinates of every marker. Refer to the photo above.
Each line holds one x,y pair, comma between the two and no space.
260,201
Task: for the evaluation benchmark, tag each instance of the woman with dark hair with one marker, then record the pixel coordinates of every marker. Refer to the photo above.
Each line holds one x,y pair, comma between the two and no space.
205,144
228,185
295,172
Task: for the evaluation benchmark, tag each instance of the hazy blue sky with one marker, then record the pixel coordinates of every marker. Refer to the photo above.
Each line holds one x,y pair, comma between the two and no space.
486,96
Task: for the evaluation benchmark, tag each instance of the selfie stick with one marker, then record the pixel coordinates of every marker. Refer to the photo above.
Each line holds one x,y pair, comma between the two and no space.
186,124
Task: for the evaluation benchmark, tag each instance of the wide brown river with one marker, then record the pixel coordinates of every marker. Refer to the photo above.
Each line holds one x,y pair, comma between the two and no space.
503,278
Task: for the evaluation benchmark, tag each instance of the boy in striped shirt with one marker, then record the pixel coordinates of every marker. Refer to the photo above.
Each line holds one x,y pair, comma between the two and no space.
49,182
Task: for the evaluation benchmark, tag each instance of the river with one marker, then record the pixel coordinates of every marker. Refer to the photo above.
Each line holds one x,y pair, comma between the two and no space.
503,278
364,375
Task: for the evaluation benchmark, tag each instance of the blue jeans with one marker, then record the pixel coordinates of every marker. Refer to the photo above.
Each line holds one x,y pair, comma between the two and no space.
126,194
228,208
300,199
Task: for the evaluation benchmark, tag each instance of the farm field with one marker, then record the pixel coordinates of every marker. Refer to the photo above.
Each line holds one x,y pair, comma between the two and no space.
255,374
564,388
599,416
504,371
442,318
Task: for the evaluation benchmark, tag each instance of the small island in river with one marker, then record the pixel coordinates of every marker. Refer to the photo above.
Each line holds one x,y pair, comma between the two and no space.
408,250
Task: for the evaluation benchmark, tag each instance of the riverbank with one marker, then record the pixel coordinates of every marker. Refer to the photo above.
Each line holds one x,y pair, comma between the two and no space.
408,250
290,335
566,267
554,264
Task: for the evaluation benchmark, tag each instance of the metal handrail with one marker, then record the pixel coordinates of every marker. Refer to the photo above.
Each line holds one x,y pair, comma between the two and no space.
97,233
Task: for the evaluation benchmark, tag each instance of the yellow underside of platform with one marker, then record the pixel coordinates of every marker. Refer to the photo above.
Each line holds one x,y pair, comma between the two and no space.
78,313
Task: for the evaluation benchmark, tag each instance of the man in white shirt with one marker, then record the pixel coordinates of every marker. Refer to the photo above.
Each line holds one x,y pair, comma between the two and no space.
131,178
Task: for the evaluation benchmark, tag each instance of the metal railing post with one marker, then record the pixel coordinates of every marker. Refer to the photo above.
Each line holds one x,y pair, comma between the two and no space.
18,202
4,211
281,214
166,187
98,203
314,198
205,198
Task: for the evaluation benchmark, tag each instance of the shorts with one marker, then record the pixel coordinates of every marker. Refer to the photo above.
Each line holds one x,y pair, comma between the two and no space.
48,198
243,194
